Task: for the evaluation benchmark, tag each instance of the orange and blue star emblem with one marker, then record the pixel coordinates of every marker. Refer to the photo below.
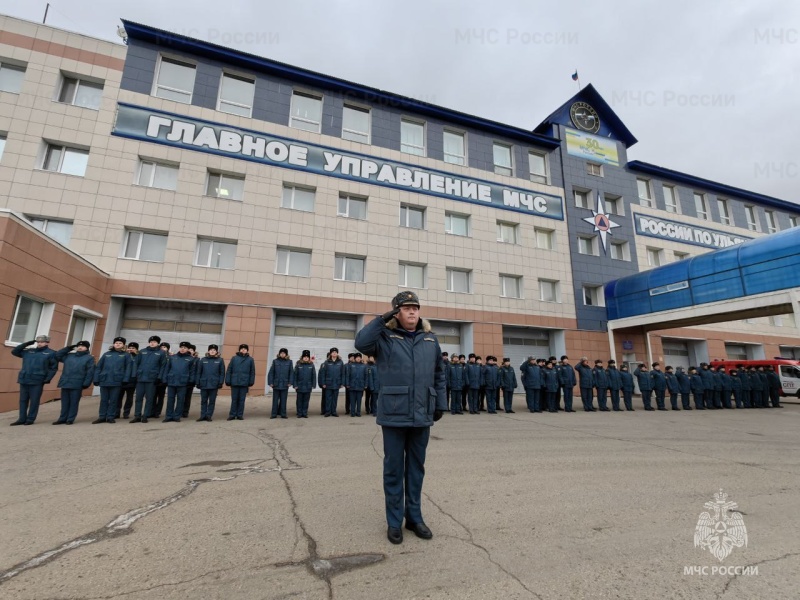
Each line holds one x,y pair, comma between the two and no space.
602,223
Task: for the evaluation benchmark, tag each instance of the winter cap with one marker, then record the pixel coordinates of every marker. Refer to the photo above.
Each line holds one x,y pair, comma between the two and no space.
306,353
184,345
244,347
213,347
120,339
283,351
405,298
133,345
506,359
471,355
154,338
43,338
164,345
84,343
334,350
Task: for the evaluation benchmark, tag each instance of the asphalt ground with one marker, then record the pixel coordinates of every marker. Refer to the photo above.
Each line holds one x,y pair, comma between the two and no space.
584,505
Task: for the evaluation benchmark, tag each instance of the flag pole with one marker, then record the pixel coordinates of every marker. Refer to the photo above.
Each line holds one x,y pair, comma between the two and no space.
578,79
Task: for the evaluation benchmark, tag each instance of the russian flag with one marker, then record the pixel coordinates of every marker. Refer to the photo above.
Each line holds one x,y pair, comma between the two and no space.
575,75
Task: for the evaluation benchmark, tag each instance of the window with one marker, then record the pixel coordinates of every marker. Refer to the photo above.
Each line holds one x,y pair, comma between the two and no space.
175,80
772,224
296,263
80,92
510,286
593,295
537,163
411,275
680,255
701,206
620,251
654,257
455,148
2,145
724,212
157,175
222,185
66,160
349,268
215,254
61,231
236,95
581,199
306,112
645,193
507,233
671,199
544,238
548,291
27,316
412,137
752,221
456,224
614,205
355,124
81,327
459,280
588,245
792,220
502,159
139,245
412,217
352,207
298,198
11,77
595,169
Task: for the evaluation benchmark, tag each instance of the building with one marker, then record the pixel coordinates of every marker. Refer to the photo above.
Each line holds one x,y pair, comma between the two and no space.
177,187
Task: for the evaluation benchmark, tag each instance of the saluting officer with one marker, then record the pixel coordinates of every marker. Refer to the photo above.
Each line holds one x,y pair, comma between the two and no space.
39,366
412,397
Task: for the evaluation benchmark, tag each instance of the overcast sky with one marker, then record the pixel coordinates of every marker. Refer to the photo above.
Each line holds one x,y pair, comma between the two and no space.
708,88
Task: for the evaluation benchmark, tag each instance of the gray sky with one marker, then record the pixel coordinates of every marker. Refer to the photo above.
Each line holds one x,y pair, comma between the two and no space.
708,88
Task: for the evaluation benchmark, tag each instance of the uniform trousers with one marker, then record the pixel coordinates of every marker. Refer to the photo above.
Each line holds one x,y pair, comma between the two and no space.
403,472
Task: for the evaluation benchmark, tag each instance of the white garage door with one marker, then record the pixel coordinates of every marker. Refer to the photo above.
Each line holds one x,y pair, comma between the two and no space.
173,322
449,336
520,343
676,353
318,334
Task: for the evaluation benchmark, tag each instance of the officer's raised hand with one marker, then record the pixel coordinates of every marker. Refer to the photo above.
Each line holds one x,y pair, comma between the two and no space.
390,315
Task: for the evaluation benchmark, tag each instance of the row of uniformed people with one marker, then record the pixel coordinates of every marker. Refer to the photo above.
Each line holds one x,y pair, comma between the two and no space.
358,377
144,371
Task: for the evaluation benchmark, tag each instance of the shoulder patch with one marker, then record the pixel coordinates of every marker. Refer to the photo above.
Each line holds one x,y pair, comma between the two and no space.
399,337
427,339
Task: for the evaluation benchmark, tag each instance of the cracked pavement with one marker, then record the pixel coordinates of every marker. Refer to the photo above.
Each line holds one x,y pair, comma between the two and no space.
600,505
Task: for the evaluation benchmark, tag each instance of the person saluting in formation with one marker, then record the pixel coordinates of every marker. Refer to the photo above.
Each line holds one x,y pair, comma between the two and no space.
412,396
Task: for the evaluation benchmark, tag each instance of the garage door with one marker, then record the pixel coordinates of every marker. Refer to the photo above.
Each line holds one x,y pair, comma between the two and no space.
318,334
449,336
676,353
520,343
173,322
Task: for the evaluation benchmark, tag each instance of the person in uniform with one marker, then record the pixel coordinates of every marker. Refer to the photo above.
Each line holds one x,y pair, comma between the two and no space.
412,397
491,383
462,360
550,382
531,377
161,387
178,372
456,374
698,388
351,358
508,383
627,386
187,398
332,379
614,384
446,365
585,384
356,382
304,380
708,385
114,369
736,388
39,366
149,363
684,386
673,387
600,383
129,389
240,376
210,377
77,376
474,375
279,378
566,381
642,374
727,390
775,386
368,390
373,386
659,385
